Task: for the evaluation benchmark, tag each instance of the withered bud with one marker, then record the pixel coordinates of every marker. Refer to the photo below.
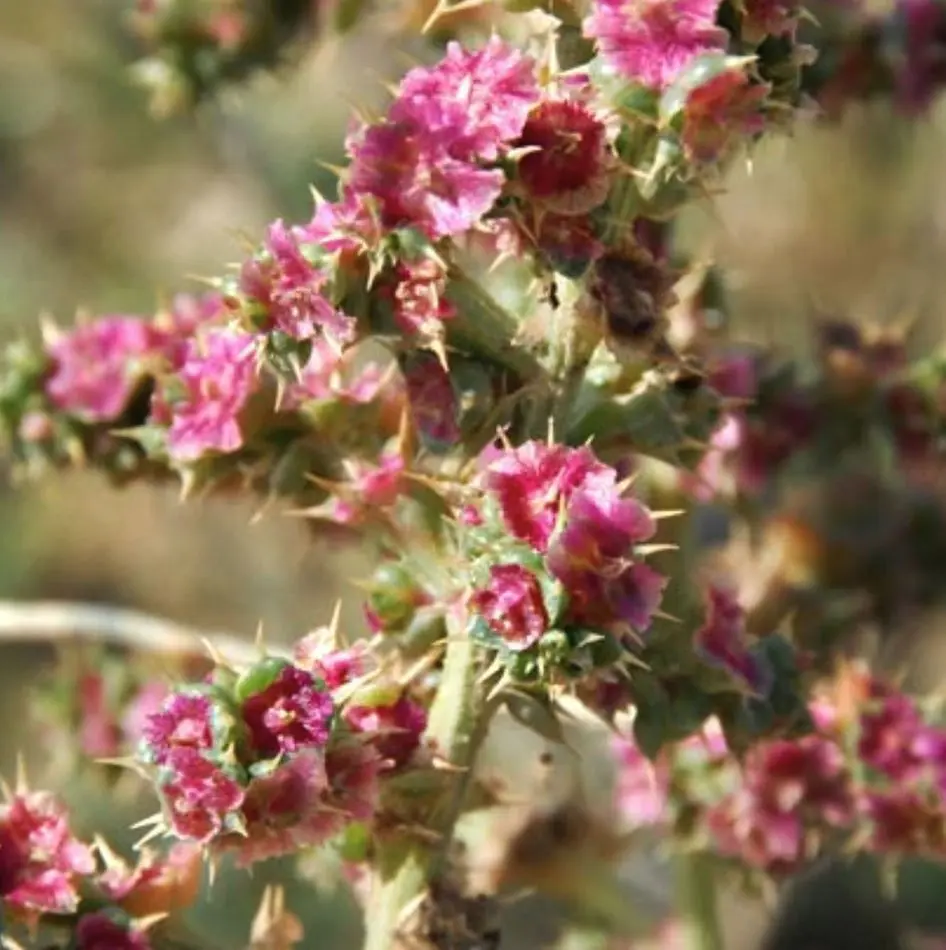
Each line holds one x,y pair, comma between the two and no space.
634,292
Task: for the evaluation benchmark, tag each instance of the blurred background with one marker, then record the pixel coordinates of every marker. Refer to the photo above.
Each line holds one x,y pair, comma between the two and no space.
107,209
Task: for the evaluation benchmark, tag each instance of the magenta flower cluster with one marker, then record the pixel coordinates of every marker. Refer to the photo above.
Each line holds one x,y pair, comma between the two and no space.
46,869
560,554
270,763
870,777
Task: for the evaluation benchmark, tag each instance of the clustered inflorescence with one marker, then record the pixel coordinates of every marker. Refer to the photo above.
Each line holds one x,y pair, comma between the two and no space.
486,357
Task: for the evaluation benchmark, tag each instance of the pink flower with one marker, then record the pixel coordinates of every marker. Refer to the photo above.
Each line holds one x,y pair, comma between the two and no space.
284,812
512,605
720,113
347,226
416,183
567,504
187,315
628,599
99,931
472,101
324,377
653,41
97,365
292,713
721,641
592,555
890,727
146,702
369,490
789,786
287,292
713,476
906,822
420,306
215,382
353,768
567,163
317,653
432,399
184,721
394,729
642,787
532,482
198,796
99,733
920,67
599,529
40,860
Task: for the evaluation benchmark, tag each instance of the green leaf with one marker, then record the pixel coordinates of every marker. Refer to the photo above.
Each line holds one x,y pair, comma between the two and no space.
535,712
650,729
258,677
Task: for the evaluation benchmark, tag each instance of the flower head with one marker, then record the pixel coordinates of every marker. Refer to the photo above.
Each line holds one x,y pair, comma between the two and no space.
284,812
472,101
721,641
394,729
653,41
721,112
920,67
216,380
198,795
416,183
97,365
642,786
287,291
511,604
184,721
565,166
292,713
891,731
317,653
790,786
533,481
40,860
420,306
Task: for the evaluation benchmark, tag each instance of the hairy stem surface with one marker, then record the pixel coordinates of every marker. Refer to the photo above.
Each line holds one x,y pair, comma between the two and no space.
454,730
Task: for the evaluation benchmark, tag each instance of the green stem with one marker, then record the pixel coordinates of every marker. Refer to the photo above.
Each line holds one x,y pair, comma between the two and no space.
482,327
696,905
454,730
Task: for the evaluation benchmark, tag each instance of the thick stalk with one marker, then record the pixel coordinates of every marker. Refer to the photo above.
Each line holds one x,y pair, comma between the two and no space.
454,729
482,327
696,904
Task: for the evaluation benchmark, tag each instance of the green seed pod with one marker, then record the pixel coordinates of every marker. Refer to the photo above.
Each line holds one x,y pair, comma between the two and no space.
394,596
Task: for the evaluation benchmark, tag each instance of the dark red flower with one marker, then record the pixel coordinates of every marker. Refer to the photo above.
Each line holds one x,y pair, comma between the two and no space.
512,605
293,712
568,154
